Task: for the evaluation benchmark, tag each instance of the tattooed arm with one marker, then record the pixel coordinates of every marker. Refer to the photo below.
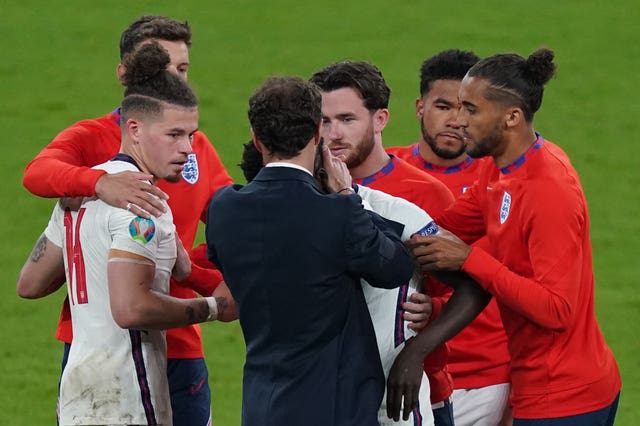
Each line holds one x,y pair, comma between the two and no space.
43,272
134,304
227,310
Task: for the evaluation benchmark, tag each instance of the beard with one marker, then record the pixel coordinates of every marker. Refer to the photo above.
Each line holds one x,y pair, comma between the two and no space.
485,145
362,150
173,178
446,153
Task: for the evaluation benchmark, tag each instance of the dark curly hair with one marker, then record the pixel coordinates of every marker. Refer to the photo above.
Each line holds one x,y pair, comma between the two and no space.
251,161
450,64
285,114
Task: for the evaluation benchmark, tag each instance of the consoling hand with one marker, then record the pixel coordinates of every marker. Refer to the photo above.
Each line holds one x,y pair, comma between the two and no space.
417,310
338,176
441,252
131,191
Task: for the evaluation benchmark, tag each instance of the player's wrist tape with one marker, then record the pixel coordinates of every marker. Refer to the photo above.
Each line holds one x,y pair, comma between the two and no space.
213,308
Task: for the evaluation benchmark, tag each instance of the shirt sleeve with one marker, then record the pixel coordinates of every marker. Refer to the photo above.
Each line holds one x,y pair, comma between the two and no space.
60,169
55,228
134,234
554,227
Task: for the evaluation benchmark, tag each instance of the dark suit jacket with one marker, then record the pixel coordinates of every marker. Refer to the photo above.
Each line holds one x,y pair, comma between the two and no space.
292,258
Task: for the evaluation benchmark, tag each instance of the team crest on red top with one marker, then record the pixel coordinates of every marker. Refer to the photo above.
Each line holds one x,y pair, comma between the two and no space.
505,207
142,229
191,173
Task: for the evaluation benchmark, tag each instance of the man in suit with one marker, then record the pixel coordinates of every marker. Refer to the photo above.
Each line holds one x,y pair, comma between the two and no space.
292,257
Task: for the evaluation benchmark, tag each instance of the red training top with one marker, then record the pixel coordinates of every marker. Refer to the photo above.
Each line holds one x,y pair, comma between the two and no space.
62,169
401,180
478,355
534,214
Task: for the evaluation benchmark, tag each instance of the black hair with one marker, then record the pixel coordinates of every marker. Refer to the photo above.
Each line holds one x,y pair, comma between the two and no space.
285,114
251,161
514,80
450,64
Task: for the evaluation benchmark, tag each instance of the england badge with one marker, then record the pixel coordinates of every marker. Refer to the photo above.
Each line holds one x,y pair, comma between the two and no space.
505,207
191,173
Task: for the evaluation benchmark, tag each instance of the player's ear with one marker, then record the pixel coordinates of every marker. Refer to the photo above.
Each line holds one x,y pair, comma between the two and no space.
514,117
120,70
380,120
133,128
419,108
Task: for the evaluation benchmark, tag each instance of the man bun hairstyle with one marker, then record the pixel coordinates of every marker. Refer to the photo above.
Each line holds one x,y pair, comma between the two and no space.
149,86
539,66
149,27
285,114
451,64
364,77
514,80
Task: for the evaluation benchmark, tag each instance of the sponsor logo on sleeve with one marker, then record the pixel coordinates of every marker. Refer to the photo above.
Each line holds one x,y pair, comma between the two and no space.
142,229
505,207
191,173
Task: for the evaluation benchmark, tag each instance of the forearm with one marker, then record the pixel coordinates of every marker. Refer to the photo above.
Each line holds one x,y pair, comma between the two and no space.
464,305
39,289
50,177
227,308
134,304
535,300
202,280
157,311
43,273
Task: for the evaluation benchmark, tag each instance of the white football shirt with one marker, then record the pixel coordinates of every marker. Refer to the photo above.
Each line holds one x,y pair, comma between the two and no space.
385,306
113,375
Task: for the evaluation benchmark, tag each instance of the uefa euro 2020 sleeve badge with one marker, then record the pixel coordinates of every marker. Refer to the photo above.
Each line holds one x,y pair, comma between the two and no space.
142,229
191,173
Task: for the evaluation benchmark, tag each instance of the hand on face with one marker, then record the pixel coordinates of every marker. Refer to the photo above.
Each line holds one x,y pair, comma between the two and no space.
338,176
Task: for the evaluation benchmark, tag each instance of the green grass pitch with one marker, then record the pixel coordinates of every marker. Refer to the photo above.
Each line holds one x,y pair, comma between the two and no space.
58,66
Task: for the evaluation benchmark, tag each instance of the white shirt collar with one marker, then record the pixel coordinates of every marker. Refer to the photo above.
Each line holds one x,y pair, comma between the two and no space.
287,164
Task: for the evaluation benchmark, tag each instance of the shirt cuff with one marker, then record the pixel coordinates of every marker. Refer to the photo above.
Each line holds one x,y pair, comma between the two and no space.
482,267
87,180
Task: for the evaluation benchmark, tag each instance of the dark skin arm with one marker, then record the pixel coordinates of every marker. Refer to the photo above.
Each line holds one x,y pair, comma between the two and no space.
467,301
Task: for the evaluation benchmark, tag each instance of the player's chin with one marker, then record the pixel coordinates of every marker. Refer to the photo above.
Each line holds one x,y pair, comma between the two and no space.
174,177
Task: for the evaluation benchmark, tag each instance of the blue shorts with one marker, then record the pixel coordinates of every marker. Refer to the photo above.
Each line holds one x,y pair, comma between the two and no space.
189,388
602,417
443,416
190,392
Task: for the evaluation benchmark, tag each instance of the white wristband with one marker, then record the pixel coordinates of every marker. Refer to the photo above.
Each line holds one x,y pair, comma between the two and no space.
213,308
